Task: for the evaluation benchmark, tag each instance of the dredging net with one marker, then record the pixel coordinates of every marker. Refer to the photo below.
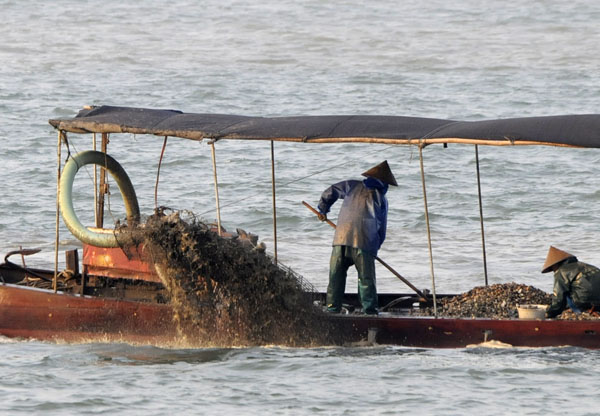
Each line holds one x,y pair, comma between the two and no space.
227,291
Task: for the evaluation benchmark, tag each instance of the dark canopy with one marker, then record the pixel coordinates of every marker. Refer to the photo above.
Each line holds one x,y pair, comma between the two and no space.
565,130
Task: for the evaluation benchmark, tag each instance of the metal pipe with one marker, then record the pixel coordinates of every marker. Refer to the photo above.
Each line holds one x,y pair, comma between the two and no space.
481,215
274,199
57,230
214,161
428,231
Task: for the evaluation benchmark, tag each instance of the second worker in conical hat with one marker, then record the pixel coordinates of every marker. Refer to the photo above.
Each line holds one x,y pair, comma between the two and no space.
360,231
576,284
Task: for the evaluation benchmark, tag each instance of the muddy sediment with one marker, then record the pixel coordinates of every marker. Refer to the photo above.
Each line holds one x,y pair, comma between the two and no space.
227,291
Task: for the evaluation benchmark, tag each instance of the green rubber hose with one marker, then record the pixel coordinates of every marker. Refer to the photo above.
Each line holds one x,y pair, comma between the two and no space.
66,202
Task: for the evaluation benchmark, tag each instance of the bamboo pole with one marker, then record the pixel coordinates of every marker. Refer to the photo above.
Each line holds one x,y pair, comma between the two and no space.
485,273
61,134
428,231
274,199
102,191
95,182
214,162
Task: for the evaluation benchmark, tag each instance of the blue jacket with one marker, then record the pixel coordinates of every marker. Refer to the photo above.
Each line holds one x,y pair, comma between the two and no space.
362,220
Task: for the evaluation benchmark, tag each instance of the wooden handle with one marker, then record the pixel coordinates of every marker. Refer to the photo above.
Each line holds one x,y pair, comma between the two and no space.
387,266
317,213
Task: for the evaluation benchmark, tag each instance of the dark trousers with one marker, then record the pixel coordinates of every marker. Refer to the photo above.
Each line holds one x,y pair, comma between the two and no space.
342,257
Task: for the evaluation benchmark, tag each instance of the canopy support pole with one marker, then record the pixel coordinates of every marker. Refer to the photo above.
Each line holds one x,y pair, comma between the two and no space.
214,162
428,231
274,199
485,273
95,180
61,135
103,186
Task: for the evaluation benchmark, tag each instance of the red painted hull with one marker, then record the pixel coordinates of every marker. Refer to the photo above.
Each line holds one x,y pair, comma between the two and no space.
459,333
44,315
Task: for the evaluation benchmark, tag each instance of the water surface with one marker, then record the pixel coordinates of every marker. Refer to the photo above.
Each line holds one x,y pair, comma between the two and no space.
466,60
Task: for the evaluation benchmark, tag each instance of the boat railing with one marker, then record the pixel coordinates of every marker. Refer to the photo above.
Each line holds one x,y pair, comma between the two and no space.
306,286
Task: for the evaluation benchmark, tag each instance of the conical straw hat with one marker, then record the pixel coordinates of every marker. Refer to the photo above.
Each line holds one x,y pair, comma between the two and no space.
554,256
382,172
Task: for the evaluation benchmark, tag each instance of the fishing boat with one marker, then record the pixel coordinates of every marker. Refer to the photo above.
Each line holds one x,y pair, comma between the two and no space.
113,296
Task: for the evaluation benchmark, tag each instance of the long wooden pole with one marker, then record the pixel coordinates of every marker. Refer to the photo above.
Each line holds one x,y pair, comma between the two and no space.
485,273
428,232
214,161
383,263
274,199
57,240
95,182
102,190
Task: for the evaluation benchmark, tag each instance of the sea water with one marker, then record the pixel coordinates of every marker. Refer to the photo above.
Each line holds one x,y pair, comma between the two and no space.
466,60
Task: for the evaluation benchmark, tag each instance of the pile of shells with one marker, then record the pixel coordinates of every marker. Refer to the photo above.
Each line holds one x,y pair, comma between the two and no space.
494,301
584,316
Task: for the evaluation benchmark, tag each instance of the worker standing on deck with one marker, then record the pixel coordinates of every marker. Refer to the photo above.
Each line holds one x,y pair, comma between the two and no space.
576,284
360,231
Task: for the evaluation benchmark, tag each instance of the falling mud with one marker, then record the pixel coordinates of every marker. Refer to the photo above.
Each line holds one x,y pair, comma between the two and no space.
227,291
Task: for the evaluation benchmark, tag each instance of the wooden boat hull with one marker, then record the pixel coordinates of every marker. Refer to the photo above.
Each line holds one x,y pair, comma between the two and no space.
45,315
463,332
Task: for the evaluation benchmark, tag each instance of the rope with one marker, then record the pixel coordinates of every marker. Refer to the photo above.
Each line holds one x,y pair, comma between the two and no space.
158,174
